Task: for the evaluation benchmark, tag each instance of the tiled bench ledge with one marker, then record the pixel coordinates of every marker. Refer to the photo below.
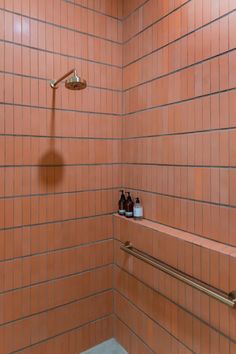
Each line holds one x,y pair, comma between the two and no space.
175,233
209,261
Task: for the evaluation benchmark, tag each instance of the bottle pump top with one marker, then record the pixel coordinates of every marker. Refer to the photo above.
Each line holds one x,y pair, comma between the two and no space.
122,193
138,209
129,196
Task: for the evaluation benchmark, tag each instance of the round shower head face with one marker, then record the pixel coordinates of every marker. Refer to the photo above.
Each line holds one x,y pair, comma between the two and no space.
75,83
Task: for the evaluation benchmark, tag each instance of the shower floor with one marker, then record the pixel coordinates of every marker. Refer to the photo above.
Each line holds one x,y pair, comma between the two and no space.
111,346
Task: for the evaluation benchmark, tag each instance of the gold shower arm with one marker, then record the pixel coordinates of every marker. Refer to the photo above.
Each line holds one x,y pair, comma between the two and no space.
227,299
54,83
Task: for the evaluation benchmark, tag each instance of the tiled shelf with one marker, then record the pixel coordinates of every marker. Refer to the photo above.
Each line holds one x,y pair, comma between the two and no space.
184,236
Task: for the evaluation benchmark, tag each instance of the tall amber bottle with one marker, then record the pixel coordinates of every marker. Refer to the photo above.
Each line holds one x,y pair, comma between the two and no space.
121,204
129,206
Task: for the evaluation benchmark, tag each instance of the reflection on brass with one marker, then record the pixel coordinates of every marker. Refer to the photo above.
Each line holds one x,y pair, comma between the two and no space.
73,83
228,299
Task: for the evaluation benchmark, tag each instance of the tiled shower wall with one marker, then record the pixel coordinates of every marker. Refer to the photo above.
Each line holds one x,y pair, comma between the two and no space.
59,171
179,102
179,156
60,168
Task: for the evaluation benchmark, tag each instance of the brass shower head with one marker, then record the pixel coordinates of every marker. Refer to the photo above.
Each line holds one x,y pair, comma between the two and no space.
73,83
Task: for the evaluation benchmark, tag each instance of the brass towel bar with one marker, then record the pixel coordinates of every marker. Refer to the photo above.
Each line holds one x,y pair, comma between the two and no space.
228,299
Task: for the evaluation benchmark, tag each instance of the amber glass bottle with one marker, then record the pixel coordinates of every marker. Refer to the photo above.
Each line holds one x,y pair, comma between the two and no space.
121,204
129,206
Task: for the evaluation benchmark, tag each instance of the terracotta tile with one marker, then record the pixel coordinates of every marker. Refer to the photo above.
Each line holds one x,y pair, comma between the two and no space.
231,30
224,67
62,241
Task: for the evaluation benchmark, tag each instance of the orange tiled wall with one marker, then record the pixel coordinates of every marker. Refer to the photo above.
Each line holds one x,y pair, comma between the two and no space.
178,154
171,75
59,171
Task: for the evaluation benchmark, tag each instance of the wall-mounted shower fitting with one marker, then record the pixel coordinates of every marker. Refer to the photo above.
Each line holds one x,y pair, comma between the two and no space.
75,82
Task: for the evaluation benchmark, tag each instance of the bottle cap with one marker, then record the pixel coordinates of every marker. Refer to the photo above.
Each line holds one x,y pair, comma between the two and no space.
137,200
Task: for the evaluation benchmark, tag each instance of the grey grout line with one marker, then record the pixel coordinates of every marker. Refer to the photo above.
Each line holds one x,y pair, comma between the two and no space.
57,250
59,53
135,306
59,137
195,132
178,165
48,310
178,39
180,101
135,9
92,190
50,281
55,221
63,165
156,78
136,85
197,201
93,10
33,195
156,21
62,333
60,26
132,331
170,300
130,63
112,115
122,164
121,19
180,133
51,109
48,81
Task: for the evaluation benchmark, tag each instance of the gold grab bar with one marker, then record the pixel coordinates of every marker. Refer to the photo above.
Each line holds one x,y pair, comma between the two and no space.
228,299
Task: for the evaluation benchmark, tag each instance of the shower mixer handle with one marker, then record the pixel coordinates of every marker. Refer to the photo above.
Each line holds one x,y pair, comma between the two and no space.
53,84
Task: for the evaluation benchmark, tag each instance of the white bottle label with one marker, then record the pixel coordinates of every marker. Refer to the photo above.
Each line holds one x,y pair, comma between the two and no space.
129,213
121,211
138,212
